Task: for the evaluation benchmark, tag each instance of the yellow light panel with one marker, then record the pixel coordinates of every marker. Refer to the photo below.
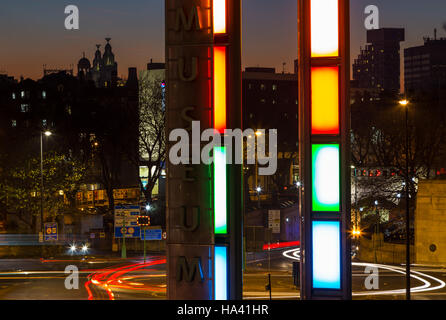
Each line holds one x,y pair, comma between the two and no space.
219,16
325,100
220,88
324,28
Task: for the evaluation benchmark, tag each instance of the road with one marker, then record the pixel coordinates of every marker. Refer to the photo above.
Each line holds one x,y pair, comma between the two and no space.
131,279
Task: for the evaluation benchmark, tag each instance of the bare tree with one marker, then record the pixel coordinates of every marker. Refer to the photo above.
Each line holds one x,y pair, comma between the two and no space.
152,136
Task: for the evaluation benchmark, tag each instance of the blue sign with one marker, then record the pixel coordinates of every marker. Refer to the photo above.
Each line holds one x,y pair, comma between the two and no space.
129,231
126,221
50,231
152,234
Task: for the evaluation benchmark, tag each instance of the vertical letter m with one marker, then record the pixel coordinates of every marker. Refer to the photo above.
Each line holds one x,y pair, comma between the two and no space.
187,22
186,273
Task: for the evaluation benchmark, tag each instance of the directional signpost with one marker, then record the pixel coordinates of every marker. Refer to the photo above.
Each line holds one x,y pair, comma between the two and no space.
143,221
126,224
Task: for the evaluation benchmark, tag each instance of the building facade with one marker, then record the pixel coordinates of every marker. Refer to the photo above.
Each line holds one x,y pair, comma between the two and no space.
378,64
425,66
103,71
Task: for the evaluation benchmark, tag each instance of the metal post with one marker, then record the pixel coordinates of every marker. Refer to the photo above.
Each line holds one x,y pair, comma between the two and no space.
124,249
41,181
144,233
407,209
270,287
258,198
235,191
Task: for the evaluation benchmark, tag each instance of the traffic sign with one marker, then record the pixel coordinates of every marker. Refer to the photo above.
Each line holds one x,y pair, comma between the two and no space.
50,231
152,234
143,221
126,221
274,220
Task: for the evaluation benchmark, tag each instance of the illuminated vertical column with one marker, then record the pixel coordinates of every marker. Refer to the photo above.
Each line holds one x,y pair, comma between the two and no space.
324,148
221,258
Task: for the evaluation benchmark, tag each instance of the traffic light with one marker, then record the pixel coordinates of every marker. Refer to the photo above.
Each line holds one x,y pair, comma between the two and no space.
143,221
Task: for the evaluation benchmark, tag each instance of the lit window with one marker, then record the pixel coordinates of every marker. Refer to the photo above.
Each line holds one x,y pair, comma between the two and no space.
14,123
274,87
262,87
22,94
24,107
44,122
13,96
43,94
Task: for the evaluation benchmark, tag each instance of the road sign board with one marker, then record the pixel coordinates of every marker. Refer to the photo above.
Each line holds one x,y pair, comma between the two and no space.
274,220
126,221
50,231
152,234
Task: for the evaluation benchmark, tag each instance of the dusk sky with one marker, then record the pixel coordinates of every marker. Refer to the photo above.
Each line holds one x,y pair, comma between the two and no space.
32,32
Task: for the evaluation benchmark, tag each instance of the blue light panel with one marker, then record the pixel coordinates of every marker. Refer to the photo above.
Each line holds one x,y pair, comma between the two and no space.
221,273
326,255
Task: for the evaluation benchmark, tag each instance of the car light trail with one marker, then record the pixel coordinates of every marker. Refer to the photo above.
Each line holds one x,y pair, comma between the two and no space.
294,254
109,279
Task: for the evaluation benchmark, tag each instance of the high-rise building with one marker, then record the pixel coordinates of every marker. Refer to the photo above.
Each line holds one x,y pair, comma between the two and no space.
425,66
270,101
378,65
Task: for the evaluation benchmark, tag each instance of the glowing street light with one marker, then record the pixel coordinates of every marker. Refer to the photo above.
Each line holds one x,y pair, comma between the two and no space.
404,103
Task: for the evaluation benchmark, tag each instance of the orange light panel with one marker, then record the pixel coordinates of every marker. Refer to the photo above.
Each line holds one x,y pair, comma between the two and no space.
324,28
325,100
219,16
220,88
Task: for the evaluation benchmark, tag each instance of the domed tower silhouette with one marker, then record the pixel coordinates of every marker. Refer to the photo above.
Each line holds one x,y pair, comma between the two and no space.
97,67
110,72
84,68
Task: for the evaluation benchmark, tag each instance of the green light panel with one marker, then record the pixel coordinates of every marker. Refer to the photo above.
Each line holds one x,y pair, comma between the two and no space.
220,197
326,178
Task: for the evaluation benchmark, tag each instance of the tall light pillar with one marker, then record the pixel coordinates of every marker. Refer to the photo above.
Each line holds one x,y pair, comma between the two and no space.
204,202
324,149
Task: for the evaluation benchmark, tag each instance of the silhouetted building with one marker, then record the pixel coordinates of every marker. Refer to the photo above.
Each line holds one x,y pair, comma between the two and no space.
104,71
84,69
378,64
425,66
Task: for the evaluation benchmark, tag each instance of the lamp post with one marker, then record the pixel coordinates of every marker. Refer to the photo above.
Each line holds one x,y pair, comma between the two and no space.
404,103
47,134
377,236
259,189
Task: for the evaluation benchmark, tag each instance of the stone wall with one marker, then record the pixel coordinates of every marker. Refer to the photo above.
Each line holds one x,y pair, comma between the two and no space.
378,251
430,223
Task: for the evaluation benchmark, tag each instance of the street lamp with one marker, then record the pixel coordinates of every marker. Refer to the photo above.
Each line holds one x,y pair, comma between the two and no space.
405,103
47,134
259,189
